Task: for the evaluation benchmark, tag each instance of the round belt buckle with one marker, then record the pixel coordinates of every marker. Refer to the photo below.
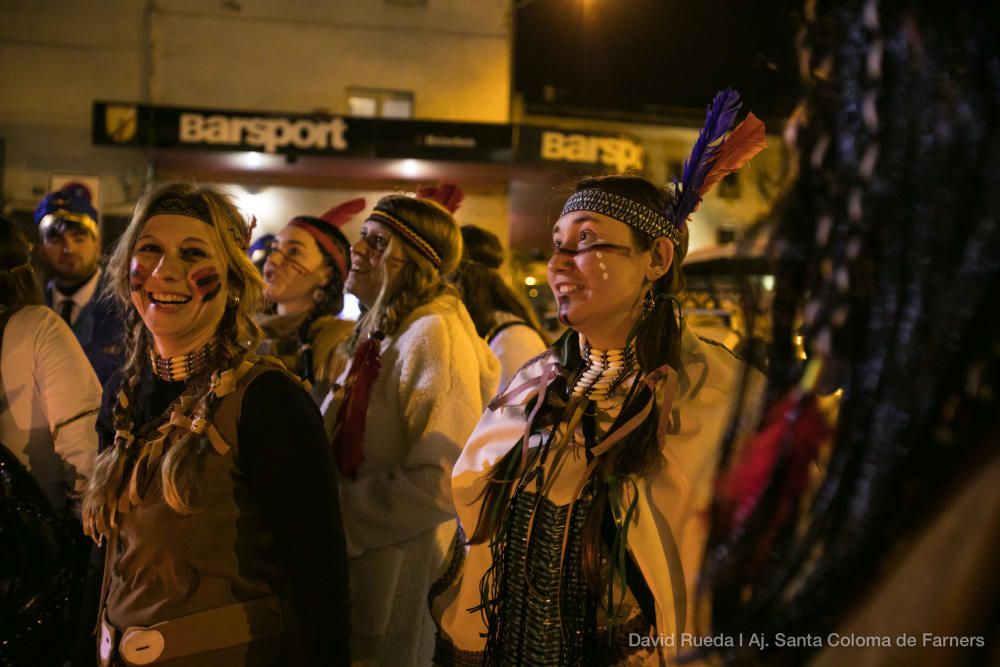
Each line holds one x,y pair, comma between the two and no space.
141,647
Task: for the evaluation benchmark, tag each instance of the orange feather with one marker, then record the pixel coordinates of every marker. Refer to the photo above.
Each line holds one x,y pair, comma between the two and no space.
745,141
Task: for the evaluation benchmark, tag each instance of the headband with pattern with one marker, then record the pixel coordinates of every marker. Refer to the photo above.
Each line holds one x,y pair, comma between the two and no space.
629,211
197,208
408,234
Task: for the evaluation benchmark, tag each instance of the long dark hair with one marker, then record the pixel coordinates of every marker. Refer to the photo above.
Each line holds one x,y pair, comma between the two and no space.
657,342
484,291
332,301
890,241
18,286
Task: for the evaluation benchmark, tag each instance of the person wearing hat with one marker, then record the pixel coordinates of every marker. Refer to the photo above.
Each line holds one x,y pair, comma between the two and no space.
259,251
71,249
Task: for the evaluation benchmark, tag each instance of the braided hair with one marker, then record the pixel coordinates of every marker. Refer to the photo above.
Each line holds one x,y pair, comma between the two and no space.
121,469
890,243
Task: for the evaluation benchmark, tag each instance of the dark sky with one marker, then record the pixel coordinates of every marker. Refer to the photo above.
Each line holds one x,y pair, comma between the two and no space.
657,56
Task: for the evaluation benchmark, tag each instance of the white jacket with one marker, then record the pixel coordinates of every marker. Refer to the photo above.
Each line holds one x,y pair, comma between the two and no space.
50,401
668,536
437,376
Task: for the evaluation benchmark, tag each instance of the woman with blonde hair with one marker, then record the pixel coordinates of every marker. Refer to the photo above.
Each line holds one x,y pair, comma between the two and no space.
418,381
223,528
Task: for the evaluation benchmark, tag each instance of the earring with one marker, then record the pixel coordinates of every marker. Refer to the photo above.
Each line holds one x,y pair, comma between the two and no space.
233,300
648,302
318,295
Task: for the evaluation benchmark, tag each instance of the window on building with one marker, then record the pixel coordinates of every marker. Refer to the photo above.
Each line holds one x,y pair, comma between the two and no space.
380,103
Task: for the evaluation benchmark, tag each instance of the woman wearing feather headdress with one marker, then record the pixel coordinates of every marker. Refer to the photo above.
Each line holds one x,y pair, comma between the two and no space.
583,486
304,283
417,383
224,538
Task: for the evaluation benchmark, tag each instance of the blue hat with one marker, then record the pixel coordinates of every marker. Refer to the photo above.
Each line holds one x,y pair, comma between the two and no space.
259,248
71,204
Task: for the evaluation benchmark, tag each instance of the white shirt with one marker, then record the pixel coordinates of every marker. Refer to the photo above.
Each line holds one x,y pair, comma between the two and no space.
80,298
51,398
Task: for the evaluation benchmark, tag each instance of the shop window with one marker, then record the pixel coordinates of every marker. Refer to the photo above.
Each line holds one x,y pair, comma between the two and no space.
378,103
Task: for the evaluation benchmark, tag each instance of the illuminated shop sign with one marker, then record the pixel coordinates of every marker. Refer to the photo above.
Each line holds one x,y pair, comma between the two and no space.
123,124
150,126
259,133
587,150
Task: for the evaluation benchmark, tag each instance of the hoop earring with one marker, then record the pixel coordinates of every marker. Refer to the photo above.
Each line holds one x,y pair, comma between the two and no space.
318,295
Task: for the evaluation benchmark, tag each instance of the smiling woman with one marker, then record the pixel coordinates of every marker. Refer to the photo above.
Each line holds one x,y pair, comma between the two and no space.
304,284
583,489
418,381
208,541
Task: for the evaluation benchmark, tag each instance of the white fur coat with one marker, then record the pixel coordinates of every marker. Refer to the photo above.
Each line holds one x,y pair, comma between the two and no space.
437,376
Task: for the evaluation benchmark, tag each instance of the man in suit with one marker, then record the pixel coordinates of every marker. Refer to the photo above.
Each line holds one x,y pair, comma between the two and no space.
71,248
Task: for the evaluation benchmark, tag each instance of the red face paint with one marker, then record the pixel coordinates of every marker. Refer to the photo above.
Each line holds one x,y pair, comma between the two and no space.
206,283
137,275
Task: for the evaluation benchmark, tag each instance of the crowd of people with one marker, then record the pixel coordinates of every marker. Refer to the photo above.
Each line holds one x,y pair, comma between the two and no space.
203,463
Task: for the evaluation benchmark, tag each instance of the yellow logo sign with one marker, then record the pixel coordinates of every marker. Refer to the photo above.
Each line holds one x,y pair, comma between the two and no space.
120,123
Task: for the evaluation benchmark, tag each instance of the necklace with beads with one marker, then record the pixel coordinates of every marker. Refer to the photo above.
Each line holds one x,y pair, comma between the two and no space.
604,371
175,369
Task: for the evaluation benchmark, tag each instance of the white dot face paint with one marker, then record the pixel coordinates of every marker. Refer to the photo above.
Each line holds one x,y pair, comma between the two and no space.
605,276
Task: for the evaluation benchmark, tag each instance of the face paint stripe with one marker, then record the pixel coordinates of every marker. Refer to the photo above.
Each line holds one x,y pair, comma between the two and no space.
207,283
214,293
137,275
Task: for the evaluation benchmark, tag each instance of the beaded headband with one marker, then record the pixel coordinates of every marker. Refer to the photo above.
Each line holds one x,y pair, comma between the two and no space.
629,211
197,208
408,234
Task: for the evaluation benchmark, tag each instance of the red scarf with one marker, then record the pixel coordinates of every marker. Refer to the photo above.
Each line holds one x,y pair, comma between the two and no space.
349,432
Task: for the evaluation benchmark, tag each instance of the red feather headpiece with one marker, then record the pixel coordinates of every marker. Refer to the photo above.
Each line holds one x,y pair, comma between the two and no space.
448,195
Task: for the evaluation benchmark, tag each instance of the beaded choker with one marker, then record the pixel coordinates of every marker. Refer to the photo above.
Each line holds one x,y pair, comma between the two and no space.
175,369
605,370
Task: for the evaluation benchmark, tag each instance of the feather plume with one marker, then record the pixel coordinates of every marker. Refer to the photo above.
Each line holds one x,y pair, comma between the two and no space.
341,214
448,195
718,121
778,455
745,141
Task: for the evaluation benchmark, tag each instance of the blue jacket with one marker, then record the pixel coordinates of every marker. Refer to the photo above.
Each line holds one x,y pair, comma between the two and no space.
99,330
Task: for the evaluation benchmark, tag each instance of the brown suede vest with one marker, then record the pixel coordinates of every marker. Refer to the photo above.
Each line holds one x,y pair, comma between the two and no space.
170,565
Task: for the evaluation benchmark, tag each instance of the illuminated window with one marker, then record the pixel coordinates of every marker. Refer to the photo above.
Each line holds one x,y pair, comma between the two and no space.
379,103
